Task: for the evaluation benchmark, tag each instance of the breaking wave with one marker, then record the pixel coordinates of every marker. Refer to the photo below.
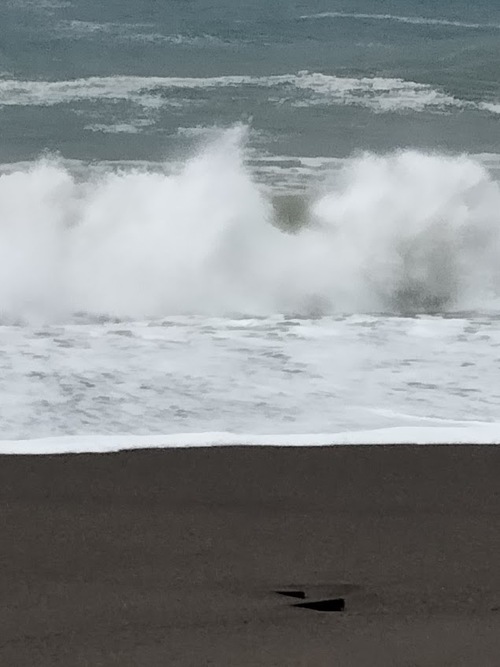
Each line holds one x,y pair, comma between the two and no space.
302,89
401,233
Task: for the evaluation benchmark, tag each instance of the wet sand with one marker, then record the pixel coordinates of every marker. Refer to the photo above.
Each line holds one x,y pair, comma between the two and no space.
173,557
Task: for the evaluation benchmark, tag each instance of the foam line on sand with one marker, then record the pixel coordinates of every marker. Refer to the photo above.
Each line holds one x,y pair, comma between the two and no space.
460,433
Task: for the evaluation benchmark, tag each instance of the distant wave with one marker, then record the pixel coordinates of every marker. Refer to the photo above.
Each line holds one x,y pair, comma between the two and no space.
413,20
39,4
133,32
119,128
402,233
301,89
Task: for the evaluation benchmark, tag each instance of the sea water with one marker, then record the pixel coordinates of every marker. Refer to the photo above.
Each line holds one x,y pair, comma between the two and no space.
249,217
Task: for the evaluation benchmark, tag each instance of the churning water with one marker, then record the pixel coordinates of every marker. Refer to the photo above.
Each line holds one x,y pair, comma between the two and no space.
248,217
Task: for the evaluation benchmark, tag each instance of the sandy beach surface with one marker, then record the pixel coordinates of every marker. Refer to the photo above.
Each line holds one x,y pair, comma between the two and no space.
174,557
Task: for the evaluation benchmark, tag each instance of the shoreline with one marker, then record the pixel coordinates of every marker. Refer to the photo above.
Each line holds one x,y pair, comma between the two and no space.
455,433
175,556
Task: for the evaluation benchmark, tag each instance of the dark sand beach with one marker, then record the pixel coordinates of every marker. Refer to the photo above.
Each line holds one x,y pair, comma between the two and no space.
174,557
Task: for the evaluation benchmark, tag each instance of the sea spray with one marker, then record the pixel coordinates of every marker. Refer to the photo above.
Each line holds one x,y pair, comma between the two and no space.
401,233
414,232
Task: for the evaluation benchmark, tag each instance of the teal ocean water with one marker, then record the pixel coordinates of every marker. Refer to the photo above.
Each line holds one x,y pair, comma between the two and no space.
140,79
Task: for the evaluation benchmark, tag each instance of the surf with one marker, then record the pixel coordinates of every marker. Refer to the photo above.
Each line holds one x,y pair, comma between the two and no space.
405,232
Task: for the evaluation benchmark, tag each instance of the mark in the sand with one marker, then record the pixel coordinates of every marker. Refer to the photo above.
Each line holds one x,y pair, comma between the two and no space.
292,594
336,604
332,604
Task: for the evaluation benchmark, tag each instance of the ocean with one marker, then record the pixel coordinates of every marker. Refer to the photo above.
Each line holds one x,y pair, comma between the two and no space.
232,221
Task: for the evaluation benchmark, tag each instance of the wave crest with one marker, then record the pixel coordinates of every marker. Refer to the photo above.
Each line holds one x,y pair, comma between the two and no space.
402,233
411,20
302,89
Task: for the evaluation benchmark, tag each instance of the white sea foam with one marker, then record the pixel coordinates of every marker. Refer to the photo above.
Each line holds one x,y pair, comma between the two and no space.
133,127
399,233
412,20
492,107
486,434
301,89
377,93
275,375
